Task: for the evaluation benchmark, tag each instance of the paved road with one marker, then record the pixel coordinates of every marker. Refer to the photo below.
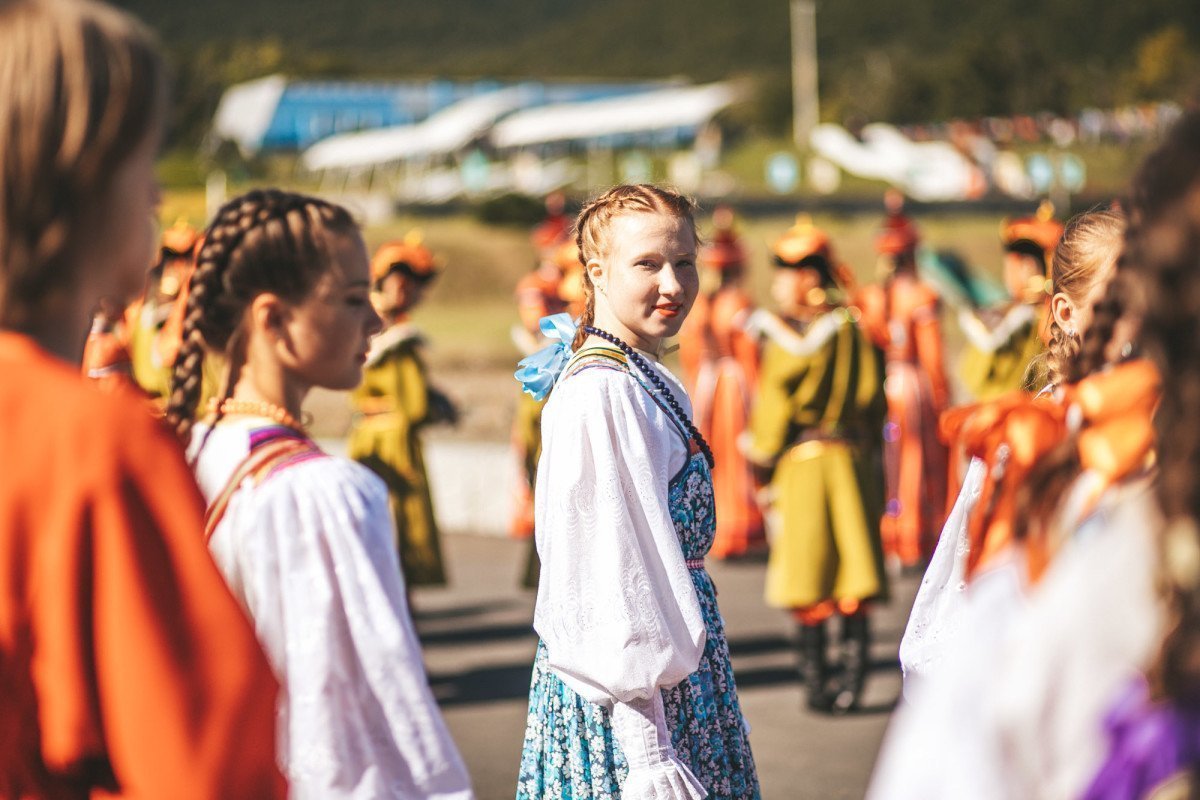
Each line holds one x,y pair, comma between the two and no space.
479,648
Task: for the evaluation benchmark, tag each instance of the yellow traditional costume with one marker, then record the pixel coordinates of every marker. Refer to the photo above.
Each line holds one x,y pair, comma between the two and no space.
395,402
153,324
817,427
1004,345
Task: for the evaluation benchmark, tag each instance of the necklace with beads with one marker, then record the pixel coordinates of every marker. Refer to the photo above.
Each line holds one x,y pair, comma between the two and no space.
256,408
663,390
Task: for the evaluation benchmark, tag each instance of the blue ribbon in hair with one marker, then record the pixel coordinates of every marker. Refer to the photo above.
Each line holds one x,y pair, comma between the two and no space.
538,372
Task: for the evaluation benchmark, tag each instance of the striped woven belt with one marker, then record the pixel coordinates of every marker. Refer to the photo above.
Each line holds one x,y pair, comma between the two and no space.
694,563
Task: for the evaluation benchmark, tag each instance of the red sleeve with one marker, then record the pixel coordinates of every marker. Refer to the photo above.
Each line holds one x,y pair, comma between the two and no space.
144,659
927,332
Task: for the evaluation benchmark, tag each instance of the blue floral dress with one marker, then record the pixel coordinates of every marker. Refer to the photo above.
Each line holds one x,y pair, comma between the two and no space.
570,750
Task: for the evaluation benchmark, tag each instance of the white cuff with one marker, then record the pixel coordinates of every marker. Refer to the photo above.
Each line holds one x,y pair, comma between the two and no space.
655,771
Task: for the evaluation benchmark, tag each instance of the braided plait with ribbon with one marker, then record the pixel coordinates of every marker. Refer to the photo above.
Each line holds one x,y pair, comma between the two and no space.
264,240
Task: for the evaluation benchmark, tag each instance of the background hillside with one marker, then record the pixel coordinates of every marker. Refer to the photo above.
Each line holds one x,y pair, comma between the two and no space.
895,60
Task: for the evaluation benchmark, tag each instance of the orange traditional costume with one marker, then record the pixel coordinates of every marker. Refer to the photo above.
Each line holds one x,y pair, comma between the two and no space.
903,318
539,294
127,668
106,355
720,362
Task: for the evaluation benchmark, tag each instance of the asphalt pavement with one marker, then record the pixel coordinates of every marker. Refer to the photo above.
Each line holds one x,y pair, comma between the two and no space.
479,647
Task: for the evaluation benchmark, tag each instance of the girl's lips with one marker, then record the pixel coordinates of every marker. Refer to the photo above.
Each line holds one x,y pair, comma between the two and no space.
668,309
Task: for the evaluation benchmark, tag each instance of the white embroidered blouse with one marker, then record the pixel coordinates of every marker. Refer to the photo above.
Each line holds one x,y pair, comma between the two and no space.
616,607
309,554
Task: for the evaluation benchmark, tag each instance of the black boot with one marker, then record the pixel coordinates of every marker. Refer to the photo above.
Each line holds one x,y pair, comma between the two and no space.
855,647
814,667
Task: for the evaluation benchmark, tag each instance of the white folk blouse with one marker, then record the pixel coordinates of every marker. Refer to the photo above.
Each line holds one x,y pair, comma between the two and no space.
616,607
309,554
1018,707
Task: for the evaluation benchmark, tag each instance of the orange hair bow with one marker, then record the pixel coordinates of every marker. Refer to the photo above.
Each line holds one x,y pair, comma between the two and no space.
1114,413
1011,435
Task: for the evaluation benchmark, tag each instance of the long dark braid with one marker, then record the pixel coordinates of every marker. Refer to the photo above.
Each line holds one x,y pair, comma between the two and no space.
264,240
663,390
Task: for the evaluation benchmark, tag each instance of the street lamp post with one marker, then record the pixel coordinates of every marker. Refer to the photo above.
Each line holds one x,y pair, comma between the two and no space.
805,109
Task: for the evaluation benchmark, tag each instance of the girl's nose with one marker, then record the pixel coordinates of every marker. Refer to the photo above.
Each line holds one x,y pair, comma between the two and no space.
669,283
374,321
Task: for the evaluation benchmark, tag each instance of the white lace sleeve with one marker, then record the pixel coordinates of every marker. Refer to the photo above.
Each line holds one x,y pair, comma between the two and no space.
616,607
311,550
936,615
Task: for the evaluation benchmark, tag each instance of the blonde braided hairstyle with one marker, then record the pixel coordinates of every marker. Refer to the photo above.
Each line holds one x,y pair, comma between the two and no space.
1086,255
592,224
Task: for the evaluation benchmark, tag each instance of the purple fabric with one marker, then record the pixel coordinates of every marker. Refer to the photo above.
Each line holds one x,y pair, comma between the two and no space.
1149,742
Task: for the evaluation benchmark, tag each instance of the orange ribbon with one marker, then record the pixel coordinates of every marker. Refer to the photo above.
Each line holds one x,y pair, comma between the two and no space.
1010,434
1013,433
1118,410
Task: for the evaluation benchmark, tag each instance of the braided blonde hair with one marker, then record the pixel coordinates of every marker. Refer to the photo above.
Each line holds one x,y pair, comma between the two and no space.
1085,255
595,218
264,241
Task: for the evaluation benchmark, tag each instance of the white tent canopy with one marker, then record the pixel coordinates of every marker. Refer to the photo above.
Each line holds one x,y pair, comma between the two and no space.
246,110
447,131
645,112
927,171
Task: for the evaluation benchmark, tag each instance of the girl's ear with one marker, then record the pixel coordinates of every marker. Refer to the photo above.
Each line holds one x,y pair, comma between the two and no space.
267,315
595,271
1063,310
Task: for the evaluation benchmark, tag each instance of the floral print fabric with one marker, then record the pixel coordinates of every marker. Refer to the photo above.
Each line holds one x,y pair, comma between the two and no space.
570,752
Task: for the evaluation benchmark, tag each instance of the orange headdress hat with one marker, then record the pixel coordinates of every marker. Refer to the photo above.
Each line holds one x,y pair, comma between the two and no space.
408,255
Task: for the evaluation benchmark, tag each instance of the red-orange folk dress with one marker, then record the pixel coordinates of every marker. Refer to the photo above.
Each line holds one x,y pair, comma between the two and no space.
127,669
720,361
903,316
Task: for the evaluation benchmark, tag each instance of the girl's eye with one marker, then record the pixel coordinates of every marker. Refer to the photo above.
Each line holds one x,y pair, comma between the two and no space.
647,263
687,264
356,300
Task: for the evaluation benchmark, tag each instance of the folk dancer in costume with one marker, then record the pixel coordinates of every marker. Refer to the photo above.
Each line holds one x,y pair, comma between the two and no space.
1059,617
527,427
902,316
720,363
1081,267
396,402
632,692
816,433
152,342
304,539
128,669
1004,344
105,354
539,294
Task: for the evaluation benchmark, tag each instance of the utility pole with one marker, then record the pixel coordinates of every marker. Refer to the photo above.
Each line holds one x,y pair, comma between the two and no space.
805,109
